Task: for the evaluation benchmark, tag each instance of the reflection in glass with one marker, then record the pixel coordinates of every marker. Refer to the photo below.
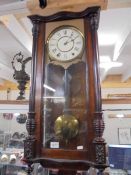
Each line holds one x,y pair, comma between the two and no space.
12,135
65,106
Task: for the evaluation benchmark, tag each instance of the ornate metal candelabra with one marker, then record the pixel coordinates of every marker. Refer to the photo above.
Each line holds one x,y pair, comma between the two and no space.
18,64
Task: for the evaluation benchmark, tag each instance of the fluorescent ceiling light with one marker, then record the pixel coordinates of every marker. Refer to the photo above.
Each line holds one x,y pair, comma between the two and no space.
107,39
106,63
109,65
120,115
105,59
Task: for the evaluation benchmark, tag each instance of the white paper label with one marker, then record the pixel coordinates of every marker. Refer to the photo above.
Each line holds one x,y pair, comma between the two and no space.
54,144
80,147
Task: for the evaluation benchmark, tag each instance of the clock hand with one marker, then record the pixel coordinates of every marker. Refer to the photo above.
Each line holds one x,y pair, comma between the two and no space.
68,41
69,37
75,38
65,43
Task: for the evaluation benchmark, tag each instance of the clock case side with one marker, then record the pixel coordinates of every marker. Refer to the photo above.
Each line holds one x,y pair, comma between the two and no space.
95,99
33,151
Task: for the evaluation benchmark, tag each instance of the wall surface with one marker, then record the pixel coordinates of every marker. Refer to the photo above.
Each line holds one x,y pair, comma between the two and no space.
12,95
107,91
112,124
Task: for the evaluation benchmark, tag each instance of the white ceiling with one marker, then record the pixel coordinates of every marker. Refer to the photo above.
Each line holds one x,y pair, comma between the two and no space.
114,37
3,2
115,30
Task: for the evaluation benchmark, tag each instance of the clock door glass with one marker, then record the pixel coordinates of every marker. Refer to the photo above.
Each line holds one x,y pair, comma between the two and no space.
65,43
65,87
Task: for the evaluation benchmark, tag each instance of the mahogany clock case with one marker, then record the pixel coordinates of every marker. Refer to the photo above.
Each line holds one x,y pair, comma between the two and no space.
68,91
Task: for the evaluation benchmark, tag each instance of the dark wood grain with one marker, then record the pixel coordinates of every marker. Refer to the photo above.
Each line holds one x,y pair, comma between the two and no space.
60,16
98,123
60,153
67,164
39,88
90,87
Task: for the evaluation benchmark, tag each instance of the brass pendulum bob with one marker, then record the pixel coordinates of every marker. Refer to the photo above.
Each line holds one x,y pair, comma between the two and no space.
66,125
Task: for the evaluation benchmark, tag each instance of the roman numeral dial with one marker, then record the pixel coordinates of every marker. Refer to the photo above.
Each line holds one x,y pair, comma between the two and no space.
65,43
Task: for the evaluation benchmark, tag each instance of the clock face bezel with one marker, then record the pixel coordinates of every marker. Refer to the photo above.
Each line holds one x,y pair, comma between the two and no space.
79,56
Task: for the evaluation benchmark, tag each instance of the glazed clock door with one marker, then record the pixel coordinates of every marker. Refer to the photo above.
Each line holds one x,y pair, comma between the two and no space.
65,124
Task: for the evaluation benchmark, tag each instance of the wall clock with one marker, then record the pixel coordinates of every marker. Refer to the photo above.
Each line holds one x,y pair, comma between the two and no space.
65,43
65,124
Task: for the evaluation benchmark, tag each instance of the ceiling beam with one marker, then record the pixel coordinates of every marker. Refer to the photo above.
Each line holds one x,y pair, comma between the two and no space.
13,8
5,67
4,59
27,7
18,31
121,42
68,5
27,25
119,4
6,73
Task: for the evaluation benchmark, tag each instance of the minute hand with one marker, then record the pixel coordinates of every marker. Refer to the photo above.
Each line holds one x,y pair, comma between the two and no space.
71,40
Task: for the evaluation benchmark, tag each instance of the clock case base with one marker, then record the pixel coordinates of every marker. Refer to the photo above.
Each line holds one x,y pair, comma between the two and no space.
33,151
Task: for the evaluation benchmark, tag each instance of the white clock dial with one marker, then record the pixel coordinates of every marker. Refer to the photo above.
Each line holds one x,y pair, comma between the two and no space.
65,43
